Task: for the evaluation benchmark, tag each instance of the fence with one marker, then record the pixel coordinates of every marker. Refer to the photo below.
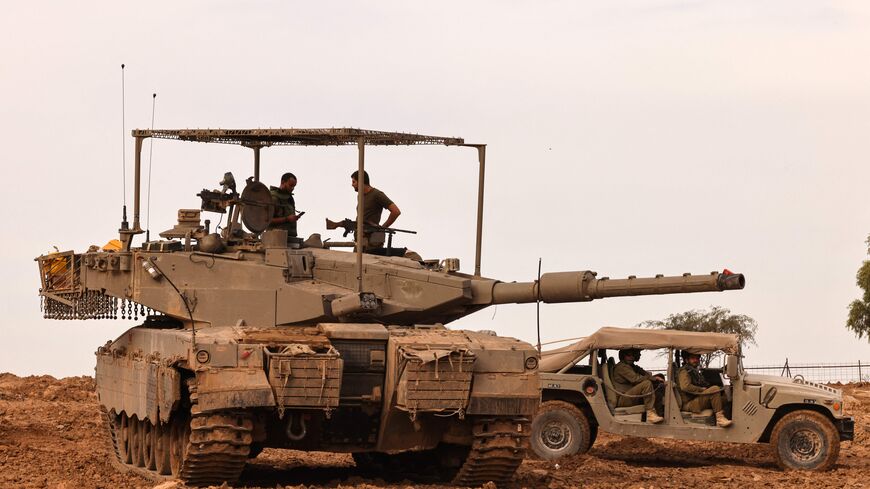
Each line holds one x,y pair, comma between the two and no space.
823,373
817,372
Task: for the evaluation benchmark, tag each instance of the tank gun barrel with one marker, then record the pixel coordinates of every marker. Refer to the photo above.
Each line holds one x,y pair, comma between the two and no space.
583,286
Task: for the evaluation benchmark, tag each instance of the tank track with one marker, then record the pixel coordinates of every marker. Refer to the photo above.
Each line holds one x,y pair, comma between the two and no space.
215,451
498,449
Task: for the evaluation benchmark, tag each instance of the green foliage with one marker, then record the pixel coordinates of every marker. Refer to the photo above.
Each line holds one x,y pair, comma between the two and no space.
716,320
859,309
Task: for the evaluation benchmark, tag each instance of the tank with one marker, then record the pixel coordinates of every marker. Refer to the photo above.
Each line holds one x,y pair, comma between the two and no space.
251,340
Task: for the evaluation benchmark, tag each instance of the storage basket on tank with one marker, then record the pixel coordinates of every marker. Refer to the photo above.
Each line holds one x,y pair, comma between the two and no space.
303,378
434,380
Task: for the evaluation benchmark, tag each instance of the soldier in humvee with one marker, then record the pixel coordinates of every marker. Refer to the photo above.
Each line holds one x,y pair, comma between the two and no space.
697,393
635,385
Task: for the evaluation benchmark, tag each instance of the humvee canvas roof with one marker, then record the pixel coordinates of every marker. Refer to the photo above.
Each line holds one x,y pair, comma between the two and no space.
619,338
337,136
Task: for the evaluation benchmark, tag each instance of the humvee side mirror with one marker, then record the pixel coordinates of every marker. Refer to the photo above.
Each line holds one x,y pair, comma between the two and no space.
732,366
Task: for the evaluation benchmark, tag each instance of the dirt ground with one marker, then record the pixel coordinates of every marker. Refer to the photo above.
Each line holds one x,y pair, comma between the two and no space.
51,437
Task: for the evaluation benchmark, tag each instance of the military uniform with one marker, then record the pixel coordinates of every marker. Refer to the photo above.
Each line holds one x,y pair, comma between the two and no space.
285,206
634,381
696,391
374,203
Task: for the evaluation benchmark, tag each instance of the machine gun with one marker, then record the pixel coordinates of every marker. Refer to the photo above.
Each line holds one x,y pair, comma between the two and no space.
349,226
370,230
254,206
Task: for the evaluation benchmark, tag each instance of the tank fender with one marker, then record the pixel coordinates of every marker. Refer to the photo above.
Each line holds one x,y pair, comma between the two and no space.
140,388
227,388
505,393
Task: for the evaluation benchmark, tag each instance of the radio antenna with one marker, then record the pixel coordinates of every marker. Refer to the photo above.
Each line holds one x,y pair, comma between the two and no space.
124,224
538,303
150,154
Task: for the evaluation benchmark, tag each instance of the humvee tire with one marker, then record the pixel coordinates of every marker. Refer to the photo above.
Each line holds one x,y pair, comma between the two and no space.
560,429
805,440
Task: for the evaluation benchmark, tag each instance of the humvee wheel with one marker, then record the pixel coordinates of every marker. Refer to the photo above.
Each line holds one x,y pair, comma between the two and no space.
805,440
560,429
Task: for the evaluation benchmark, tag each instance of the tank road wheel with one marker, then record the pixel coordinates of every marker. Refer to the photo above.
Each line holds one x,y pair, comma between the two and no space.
147,432
805,440
560,429
136,442
179,434
123,438
161,449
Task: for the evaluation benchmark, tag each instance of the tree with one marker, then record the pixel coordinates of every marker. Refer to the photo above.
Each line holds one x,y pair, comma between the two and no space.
716,320
859,309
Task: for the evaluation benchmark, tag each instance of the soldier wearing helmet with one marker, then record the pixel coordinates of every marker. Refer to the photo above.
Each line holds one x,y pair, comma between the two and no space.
635,385
697,393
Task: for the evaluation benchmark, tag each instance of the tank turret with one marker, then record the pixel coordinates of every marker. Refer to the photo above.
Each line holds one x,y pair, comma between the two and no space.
254,340
279,286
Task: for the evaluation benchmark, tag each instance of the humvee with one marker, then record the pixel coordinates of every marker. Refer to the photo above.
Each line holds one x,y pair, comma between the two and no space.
803,421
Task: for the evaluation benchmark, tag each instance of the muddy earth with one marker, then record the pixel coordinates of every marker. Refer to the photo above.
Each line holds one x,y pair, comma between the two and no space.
51,436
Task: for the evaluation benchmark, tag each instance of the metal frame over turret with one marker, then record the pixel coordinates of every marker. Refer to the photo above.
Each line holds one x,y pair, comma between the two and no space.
263,138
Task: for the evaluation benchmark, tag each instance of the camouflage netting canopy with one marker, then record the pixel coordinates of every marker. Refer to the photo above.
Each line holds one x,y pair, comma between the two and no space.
620,338
297,137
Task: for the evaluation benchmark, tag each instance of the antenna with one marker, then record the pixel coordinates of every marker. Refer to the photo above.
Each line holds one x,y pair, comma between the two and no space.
124,224
538,303
150,154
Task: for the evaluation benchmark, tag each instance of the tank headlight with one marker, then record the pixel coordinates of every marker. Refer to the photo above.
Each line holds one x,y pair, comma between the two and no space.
202,356
531,363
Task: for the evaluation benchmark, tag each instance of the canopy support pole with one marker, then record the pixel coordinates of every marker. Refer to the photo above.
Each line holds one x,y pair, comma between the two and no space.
481,158
126,235
360,193
256,163
136,185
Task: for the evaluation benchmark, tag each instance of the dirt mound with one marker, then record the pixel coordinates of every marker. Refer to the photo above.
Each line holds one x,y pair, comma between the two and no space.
51,436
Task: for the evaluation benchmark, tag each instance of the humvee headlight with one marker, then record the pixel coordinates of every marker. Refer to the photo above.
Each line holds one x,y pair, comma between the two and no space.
837,405
202,356
590,387
531,363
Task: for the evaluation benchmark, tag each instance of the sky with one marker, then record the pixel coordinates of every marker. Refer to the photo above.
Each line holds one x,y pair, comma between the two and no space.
629,138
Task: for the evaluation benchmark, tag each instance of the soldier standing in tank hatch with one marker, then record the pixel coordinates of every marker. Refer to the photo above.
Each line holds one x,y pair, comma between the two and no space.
285,216
697,393
635,385
374,203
